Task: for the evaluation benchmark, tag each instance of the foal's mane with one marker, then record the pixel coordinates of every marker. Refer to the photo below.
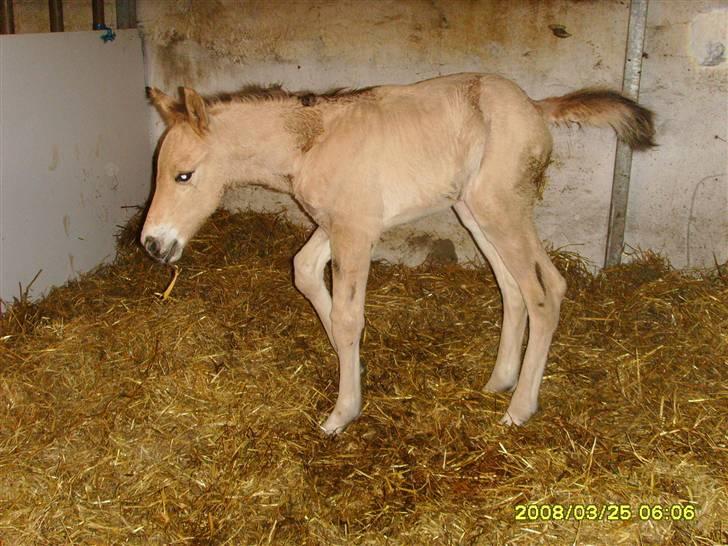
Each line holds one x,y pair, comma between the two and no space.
276,93
249,93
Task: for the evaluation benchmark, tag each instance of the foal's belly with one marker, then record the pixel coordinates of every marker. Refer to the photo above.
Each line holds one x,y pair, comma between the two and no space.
410,214
411,198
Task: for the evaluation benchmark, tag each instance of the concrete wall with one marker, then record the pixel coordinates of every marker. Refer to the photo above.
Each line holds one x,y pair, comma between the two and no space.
679,195
319,44
74,151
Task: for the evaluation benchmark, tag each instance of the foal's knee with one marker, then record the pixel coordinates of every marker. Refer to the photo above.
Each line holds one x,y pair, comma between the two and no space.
346,326
305,276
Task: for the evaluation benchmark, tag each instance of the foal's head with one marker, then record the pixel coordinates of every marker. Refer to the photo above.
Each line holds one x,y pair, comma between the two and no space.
189,182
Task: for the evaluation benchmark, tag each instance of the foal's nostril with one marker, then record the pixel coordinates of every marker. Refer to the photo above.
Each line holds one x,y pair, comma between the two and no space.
152,246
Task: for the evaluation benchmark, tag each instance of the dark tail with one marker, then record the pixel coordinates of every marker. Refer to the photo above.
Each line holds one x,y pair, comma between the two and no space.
603,108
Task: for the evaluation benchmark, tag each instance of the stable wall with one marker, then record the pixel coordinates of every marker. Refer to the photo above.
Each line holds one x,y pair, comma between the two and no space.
316,44
31,16
74,152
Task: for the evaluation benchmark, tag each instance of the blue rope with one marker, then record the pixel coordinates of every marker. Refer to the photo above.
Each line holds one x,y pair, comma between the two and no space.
109,35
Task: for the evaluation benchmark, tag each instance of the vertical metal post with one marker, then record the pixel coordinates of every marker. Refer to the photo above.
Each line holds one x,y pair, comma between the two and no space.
623,157
97,6
7,20
55,11
126,14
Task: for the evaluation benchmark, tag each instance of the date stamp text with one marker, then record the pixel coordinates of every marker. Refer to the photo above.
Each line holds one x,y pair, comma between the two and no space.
604,512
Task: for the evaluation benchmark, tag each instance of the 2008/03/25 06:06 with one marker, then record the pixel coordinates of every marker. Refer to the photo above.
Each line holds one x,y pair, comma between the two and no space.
604,512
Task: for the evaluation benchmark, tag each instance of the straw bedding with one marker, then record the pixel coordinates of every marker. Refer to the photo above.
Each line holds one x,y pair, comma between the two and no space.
128,418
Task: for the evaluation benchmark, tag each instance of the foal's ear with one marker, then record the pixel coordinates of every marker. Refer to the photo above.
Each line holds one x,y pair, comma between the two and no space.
196,111
167,107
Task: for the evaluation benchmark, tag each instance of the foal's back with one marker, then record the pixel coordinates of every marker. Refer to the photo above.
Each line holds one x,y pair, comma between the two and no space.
399,152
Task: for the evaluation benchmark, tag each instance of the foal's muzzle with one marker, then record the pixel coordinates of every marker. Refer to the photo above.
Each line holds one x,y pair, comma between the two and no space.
157,251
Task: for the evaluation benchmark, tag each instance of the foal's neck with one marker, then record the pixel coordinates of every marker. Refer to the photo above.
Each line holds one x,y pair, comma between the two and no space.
255,142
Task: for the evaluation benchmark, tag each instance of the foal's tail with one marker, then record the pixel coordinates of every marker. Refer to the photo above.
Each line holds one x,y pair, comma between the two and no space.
603,108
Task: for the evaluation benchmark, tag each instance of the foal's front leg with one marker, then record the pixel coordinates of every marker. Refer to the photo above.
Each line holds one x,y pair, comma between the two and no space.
308,275
351,255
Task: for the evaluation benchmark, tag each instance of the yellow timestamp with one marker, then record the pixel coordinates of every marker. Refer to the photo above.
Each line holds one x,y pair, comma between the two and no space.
604,512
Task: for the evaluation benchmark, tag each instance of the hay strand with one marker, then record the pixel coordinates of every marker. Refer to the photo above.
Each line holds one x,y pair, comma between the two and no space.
167,291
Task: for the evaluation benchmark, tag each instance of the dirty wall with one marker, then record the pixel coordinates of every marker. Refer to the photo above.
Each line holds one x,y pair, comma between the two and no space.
679,194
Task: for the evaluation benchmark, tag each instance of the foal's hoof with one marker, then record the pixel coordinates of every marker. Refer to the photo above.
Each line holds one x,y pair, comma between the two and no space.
509,420
337,422
516,416
332,430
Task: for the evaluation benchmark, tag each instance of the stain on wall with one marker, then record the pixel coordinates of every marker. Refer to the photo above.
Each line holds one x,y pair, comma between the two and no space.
431,36
54,159
549,47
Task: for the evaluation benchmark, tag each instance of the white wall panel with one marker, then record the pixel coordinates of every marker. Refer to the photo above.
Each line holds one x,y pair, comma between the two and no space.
74,151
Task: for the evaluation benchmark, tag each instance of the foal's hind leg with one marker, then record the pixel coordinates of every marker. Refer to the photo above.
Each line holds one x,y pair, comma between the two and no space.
351,255
508,225
508,361
308,274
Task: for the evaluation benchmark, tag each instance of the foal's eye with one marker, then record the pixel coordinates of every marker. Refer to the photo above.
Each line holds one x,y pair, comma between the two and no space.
183,178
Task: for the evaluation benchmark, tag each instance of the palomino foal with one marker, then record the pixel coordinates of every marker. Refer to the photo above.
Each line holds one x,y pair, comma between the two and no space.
361,162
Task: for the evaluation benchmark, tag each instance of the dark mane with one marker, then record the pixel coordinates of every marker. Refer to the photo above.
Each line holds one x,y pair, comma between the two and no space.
250,93
275,92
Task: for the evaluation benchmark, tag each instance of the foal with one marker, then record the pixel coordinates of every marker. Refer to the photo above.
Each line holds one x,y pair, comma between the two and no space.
361,162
